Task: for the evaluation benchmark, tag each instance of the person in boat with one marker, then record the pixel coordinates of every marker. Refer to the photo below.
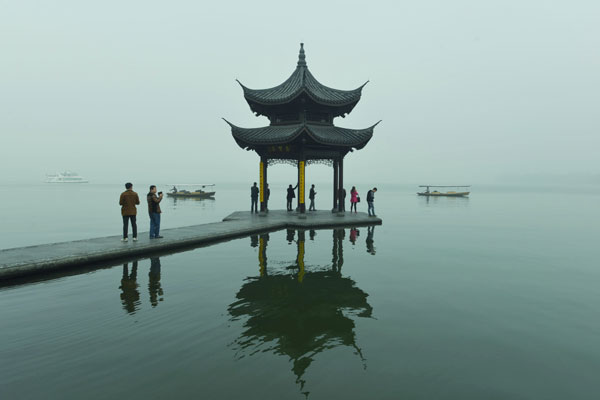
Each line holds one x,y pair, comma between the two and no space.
154,212
311,196
254,198
290,195
174,189
354,199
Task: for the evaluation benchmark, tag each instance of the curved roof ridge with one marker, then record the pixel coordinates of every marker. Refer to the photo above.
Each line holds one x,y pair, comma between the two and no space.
302,80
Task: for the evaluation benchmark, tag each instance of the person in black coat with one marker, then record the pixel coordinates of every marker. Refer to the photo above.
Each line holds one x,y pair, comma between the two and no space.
311,196
267,195
254,197
370,201
290,195
342,197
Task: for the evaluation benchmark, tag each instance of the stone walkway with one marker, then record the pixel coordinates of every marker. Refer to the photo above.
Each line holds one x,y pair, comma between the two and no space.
23,261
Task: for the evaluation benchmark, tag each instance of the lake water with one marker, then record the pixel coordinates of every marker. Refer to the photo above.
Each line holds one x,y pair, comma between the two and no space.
496,296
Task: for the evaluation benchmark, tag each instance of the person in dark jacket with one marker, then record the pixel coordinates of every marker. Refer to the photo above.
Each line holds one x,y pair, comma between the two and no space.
290,195
128,201
370,201
154,212
311,196
342,197
267,195
254,198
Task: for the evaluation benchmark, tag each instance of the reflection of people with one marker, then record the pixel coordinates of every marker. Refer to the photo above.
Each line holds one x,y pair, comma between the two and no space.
129,296
253,240
353,198
353,235
370,201
154,282
154,212
254,198
311,234
370,240
290,235
128,201
338,249
311,196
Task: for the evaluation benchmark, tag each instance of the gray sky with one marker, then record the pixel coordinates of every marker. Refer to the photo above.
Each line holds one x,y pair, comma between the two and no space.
469,91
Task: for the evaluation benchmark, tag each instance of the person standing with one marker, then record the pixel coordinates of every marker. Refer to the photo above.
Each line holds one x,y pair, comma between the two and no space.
267,195
370,201
290,195
342,197
311,196
154,212
254,198
353,198
128,201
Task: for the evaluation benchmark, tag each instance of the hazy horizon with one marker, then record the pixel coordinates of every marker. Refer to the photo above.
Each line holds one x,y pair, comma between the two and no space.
469,92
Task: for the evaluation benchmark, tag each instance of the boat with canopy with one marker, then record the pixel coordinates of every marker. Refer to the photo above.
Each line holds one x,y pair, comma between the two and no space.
458,191
195,194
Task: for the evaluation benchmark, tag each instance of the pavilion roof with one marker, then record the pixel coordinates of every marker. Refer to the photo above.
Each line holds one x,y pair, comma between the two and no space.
302,81
281,134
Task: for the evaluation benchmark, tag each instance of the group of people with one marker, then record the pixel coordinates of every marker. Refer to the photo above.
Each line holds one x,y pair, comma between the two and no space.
128,202
291,195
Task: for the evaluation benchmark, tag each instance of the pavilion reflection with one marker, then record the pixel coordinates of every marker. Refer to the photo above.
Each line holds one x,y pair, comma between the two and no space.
299,310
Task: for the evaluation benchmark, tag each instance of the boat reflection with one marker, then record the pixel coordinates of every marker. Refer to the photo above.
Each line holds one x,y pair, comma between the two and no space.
299,310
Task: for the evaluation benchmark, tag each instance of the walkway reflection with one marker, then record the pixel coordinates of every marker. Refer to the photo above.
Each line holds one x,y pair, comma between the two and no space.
299,310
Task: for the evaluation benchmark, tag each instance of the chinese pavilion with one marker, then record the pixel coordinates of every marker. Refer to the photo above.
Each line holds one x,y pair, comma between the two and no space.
301,111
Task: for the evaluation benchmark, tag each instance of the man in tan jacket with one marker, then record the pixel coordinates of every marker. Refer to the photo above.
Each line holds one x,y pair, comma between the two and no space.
128,201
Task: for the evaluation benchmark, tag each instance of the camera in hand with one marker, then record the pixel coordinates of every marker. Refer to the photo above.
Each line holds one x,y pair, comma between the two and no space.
159,193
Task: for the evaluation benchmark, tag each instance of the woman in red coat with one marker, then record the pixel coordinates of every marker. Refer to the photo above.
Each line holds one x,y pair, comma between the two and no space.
353,198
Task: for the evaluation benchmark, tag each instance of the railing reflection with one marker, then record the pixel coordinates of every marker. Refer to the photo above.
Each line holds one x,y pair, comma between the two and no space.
299,310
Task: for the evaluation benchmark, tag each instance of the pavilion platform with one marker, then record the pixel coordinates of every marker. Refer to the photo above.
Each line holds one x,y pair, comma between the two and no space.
47,258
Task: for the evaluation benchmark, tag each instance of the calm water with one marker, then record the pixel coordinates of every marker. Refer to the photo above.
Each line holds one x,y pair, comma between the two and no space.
492,297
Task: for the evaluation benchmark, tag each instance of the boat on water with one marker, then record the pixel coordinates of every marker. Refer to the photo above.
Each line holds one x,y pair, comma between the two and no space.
448,193
65,177
195,194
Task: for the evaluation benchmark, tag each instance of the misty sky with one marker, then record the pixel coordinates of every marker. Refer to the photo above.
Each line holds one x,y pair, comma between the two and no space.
468,91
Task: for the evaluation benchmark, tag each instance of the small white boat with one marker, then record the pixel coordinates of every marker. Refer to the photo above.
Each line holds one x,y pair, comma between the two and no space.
65,177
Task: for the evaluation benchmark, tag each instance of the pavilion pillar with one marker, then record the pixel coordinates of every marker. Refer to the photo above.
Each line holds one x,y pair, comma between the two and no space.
335,186
341,197
301,186
263,184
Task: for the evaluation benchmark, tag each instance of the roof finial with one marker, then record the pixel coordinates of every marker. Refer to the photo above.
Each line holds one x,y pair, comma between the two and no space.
301,56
